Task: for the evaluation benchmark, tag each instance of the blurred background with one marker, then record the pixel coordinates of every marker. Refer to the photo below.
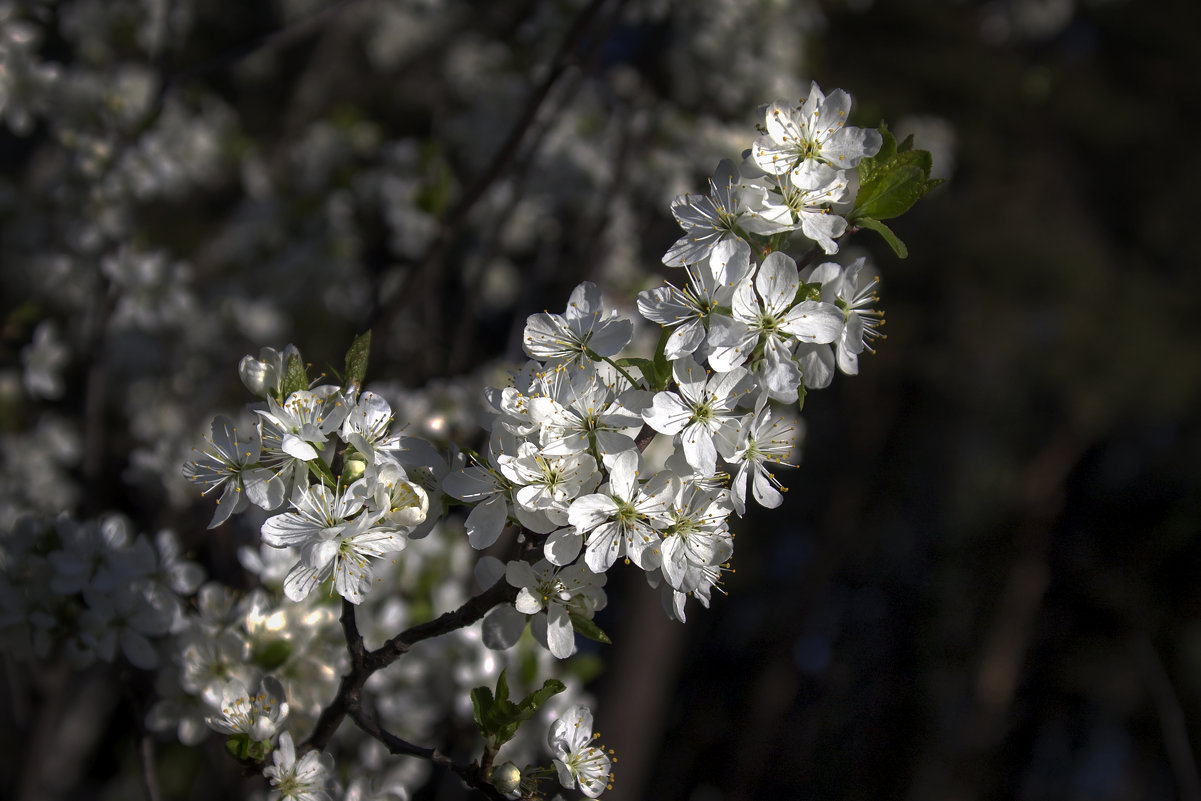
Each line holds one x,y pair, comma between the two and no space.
982,583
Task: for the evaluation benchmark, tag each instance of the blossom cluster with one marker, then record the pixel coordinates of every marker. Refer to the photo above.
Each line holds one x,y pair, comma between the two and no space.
565,458
566,462
800,178
597,451
337,529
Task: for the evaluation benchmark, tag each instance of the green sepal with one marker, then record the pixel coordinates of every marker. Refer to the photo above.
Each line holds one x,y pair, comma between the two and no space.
296,377
498,718
894,242
240,746
356,359
589,629
891,181
808,292
800,397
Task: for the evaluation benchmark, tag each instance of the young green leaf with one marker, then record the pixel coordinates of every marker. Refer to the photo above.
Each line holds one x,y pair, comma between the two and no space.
530,704
586,627
894,186
296,377
356,359
649,370
481,707
891,181
894,242
662,365
498,718
887,150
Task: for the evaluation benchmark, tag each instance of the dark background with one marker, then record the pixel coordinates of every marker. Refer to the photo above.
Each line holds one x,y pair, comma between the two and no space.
983,583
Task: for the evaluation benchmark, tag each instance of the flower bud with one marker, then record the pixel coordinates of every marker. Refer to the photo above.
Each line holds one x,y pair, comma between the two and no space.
506,778
352,469
264,376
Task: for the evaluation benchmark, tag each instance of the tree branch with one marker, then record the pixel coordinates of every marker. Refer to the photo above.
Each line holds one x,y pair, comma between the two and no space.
500,164
363,662
465,615
470,774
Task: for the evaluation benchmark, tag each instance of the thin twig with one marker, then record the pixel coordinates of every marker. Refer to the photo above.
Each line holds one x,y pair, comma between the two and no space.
287,35
471,774
465,615
363,663
500,164
149,774
1171,718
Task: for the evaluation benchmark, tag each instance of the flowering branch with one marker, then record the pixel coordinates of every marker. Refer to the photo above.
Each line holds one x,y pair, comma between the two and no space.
364,662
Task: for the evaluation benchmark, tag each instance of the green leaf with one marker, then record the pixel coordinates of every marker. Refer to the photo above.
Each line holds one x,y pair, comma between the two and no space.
650,373
502,688
589,629
498,718
537,698
888,149
656,372
801,391
481,707
893,187
296,377
356,359
891,181
898,247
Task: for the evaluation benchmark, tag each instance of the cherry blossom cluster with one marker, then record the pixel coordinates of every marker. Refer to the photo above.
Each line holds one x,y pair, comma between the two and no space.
565,458
800,177
602,449
346,491
338,527
568,464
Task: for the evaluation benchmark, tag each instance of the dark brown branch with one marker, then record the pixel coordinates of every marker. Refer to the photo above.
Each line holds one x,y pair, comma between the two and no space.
471,774
465,615
350,627
645,437
363,662
331,716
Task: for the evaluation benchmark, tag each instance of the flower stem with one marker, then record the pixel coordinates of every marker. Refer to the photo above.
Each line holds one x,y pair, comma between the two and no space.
597,357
